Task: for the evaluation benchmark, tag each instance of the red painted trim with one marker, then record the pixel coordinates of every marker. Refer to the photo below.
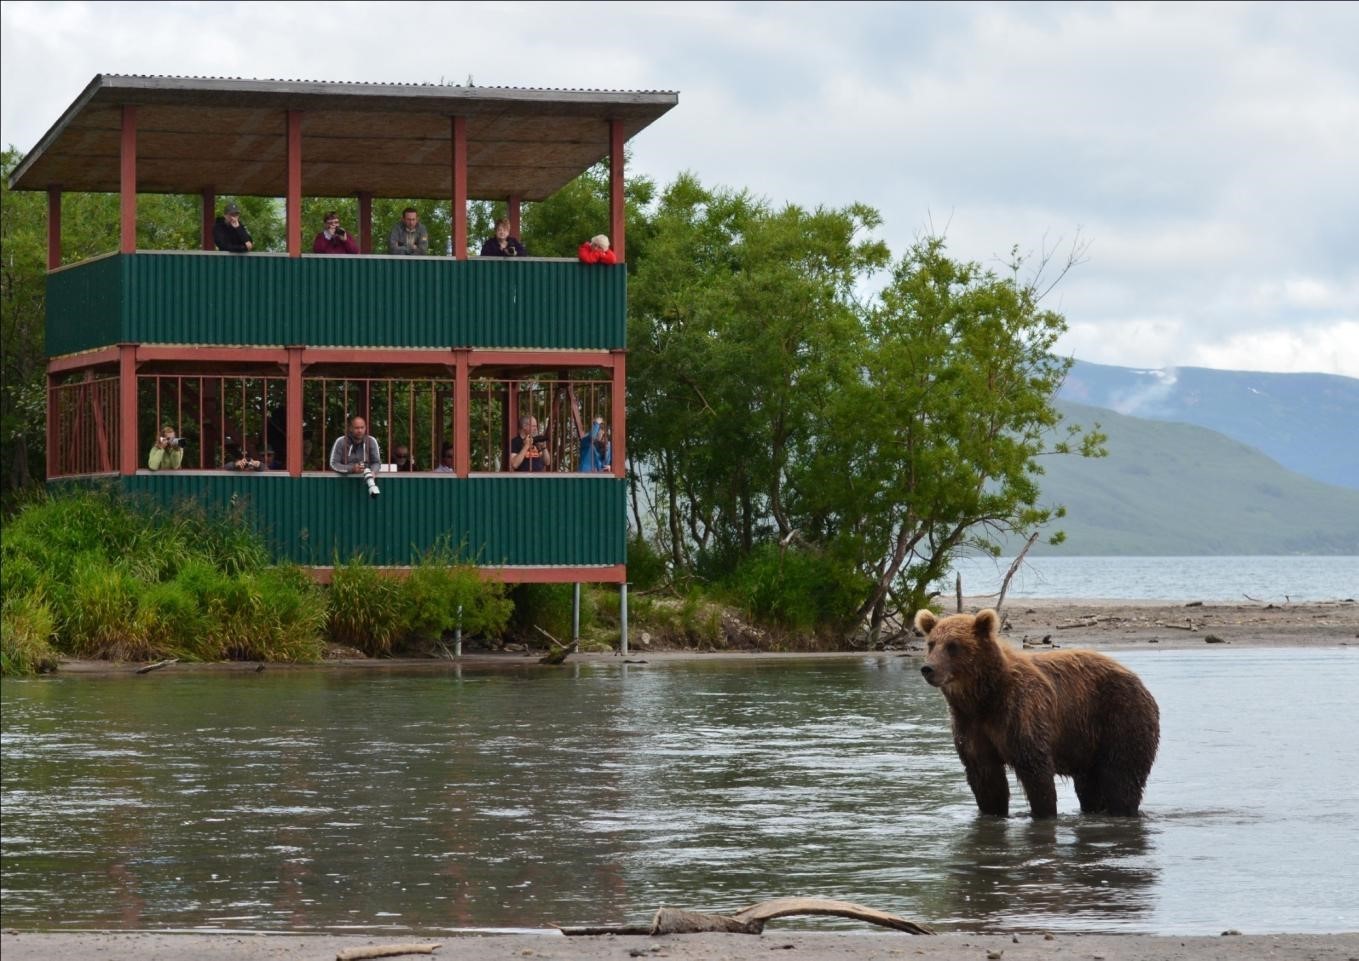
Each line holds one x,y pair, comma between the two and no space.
611,574
209,216
365,222
462,407
214,355
513,206
294,195
554,358
511,423
127,182
93,358
459,133
373,356
619,416
294,424
53,228
617,206
127,409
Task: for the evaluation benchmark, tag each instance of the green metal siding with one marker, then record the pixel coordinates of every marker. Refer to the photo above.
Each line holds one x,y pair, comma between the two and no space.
502,520
196,298
85,302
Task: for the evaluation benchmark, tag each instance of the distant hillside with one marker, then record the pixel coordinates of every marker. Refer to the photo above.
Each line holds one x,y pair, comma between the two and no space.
1306,422
1176,489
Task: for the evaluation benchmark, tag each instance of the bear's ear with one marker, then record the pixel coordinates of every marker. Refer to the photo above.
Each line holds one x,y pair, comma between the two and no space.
987,624
925,620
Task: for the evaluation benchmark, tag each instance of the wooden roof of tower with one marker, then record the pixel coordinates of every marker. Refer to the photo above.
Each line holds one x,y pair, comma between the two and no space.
392,140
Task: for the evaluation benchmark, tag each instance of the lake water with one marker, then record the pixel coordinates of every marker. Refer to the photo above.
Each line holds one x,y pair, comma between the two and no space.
1272,579
325,800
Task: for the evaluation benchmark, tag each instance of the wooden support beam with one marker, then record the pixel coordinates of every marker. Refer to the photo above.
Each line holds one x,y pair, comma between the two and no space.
462,411
53,227
127,409
366,222
294,196
459,133
53,437
617,206
294,423
209,216
513,206
619,413
127,182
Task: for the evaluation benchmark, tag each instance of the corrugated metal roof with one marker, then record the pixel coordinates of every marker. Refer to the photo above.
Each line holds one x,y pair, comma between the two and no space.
228,134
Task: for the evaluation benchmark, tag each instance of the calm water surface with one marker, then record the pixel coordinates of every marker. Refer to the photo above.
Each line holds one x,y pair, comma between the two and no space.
593,794
1272,579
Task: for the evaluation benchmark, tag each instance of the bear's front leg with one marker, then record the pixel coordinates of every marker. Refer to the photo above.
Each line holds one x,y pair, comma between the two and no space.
985,775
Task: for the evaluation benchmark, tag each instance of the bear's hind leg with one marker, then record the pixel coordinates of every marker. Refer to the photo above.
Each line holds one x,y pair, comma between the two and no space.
1090,793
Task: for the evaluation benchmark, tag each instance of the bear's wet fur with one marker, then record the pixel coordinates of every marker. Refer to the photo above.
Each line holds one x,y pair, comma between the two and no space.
1076,714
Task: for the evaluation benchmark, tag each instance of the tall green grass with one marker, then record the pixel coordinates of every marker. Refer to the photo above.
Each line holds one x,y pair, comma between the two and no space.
93,573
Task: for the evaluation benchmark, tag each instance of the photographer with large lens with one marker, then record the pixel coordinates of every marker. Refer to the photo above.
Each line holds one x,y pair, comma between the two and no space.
356,452
168,451
528,451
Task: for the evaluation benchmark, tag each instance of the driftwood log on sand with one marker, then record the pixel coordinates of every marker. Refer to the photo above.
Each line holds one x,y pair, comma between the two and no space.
752,920
385,951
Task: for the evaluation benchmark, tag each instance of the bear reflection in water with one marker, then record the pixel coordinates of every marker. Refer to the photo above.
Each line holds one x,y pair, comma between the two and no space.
1026,875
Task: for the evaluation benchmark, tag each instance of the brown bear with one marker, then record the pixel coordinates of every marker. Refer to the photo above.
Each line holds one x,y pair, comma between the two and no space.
1077,714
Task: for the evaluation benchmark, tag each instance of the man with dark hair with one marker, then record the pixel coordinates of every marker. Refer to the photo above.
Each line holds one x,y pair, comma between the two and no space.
334,239
446,459
356,452
409,237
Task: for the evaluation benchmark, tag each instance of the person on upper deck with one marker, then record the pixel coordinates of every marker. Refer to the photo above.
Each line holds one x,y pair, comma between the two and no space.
334,239
502,244
229,234
596,251
409,237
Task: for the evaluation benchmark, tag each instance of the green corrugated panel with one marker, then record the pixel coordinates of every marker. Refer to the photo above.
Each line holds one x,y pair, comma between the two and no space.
83,306
343,301
502,520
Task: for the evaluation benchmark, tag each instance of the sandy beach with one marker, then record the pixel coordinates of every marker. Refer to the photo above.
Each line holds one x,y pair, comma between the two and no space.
141,946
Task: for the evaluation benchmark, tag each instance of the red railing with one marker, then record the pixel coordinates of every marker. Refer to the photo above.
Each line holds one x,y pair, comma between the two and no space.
86,427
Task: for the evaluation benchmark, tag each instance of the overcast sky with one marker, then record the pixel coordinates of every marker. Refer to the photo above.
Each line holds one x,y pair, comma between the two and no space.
1208,154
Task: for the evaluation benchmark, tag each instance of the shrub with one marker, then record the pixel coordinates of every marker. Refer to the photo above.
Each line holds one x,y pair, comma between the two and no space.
101,619
26,628
545,606
441,595
364,608
798,589
646,565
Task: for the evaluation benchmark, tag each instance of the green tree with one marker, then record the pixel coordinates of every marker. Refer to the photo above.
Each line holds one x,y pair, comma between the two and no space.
935,445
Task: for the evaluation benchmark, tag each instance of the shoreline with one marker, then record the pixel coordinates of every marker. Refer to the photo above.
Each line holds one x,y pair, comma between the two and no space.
1034,624
548,946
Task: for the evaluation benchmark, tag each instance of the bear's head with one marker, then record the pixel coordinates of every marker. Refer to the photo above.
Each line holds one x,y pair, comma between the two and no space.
959,648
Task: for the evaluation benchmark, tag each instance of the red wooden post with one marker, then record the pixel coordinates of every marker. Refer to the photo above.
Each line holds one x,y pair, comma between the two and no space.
460,188
617,208
619,413
293,428
209,215
365,222
511,420
512,206
127,182
53,227
127,409
53,434
293,204
462,412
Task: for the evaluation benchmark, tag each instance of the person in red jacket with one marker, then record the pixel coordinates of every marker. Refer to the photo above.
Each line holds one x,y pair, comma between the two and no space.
334,239
596,251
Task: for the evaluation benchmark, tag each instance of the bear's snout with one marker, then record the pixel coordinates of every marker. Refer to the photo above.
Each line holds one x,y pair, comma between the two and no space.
928,672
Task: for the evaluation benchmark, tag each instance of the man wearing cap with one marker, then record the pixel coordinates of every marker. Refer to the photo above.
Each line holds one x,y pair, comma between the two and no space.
228,233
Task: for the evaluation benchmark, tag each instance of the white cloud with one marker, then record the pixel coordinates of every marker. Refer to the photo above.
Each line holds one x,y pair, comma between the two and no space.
1207,151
